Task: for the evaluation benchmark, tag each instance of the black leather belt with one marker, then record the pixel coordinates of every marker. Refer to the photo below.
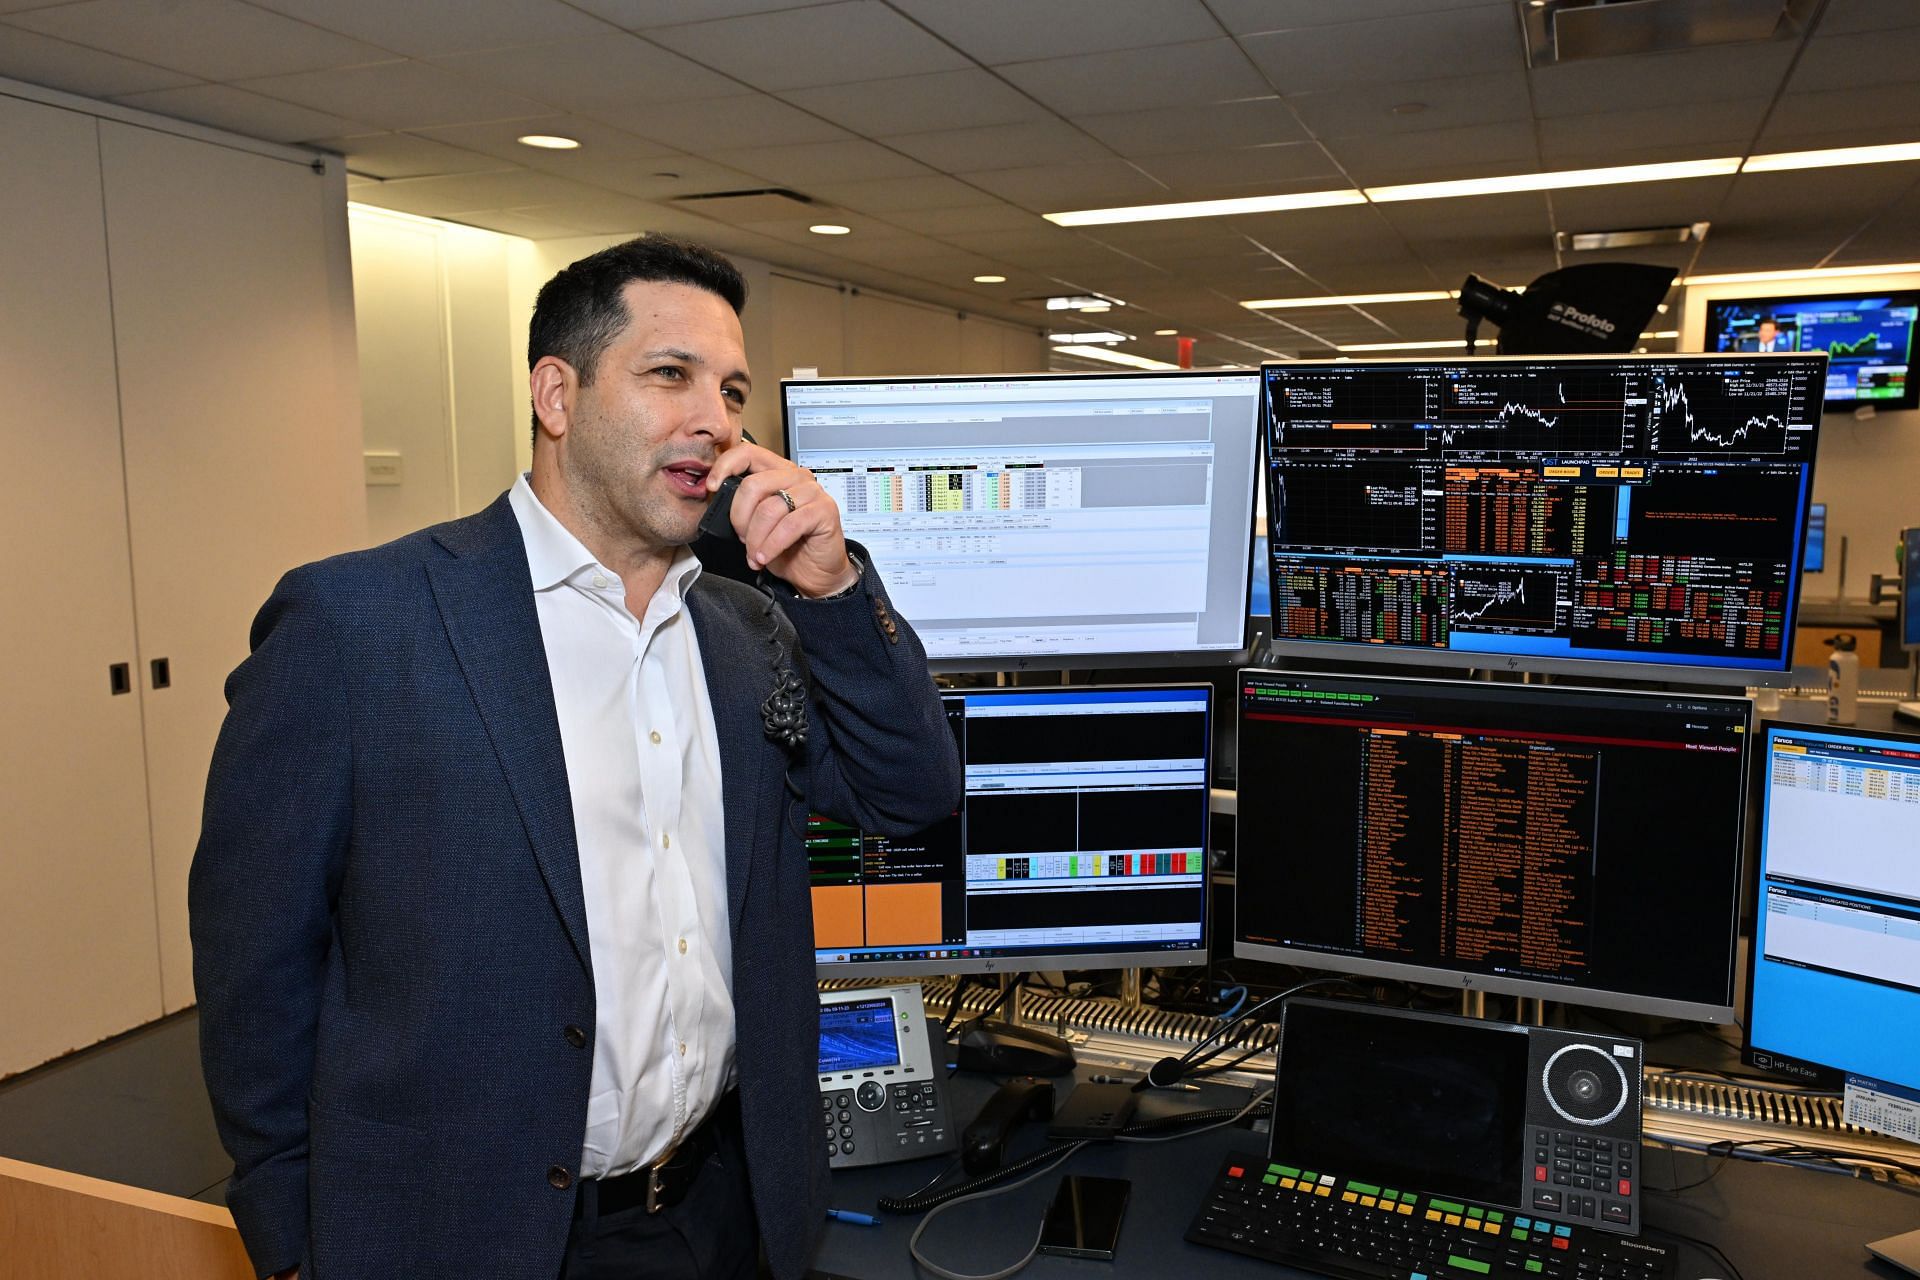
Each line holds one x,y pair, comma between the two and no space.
666,1181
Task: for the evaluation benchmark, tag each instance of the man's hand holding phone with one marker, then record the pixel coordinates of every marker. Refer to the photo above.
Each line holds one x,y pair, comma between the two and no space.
786,521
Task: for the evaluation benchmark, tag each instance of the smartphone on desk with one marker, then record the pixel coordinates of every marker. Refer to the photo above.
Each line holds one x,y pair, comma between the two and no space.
1084,1219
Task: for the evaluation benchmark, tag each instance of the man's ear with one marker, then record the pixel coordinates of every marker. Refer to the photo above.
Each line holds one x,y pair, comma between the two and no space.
553,383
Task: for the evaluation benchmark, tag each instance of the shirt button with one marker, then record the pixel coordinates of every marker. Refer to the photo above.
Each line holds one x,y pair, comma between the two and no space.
683,1048
654,737
666,841
599,579
683,946
559,1178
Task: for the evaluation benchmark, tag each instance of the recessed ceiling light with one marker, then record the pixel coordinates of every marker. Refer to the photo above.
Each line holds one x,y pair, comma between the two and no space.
665,173
548,141
989,279
830,229
1096,308
1348,300
1083,302
1166,333
1115,357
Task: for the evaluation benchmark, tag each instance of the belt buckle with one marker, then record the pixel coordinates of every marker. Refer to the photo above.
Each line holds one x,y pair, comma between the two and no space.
656,1185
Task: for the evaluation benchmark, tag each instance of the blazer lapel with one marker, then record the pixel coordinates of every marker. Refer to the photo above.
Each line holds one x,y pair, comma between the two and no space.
485,596
739,678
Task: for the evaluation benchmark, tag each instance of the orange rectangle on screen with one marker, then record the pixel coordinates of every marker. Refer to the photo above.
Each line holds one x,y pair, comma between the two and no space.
836,916
903,915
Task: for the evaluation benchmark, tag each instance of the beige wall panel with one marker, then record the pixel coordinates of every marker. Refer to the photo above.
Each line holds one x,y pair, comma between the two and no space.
888,337
78,959
401,330
486,402
981,347
225,276
61,1226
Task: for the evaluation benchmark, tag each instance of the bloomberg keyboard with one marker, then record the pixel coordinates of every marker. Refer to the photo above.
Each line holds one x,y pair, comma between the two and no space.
1361,1231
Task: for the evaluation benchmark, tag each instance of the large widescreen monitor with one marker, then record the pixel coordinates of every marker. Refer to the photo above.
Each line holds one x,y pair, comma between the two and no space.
1815,559
1577,845
1834,981
1584,514
1080,843
1047,521
1868,340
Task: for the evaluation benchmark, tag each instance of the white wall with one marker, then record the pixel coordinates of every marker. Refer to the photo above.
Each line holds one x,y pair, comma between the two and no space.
1867,471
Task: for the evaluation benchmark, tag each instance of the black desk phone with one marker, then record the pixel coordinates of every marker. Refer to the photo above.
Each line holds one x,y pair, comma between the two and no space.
883,1094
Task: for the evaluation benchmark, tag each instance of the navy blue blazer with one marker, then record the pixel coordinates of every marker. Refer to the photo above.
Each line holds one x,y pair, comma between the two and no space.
389,938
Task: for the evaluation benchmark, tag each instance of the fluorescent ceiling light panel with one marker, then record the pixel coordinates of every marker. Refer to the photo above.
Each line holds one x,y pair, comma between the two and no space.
1556,181
1115,357
1102,336
1808,273
548,141
1348,300
1404,346
1206,208
1831,158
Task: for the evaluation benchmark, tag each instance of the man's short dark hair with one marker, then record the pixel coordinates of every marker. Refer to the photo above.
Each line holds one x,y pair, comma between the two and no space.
581,310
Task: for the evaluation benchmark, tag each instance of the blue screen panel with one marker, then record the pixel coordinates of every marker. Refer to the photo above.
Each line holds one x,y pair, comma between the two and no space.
857,1034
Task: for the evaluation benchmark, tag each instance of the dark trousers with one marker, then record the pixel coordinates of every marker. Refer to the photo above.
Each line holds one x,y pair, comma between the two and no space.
710,1235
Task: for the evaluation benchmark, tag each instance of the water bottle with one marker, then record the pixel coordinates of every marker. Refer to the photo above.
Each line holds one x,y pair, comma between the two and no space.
1843,679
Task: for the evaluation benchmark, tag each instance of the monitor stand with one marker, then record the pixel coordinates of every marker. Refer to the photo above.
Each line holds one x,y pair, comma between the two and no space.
1902,1251
1473,1004
1130,997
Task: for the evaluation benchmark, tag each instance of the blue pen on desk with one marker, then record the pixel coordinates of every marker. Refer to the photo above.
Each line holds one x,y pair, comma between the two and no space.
848,1215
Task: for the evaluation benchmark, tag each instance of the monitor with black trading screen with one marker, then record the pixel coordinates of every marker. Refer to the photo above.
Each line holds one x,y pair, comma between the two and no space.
1834,977
1577,845
1047,520
1582,514
1080,843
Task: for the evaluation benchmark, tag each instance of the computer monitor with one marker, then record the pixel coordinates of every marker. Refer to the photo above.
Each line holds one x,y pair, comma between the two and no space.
1587,514
1050,520
1868,339
1080,843
1910,589
1834,979
1578,845
1815,559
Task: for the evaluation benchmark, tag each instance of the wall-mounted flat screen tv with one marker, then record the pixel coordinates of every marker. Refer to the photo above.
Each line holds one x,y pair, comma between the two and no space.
1868,340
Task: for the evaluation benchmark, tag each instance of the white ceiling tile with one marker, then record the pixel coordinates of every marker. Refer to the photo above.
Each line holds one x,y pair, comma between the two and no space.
60,64
1249,122
1843,118
497,189
688,175
236,110
1366,110
898,196
914,104
639,15
597,74
528,224
1475,41
429,28
1376,159
212,39
1843,16
1192,174
966,218
398,95
1642,204
1850,61
1245,16
402,155
1136,79
1710,74
803,165
1051,188
716,124
831,44
997,31
1003,146
1628,132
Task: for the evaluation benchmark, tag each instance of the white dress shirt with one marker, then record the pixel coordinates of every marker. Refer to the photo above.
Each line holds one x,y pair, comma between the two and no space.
643,766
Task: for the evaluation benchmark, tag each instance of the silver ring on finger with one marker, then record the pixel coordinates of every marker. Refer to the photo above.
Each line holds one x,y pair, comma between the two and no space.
786,498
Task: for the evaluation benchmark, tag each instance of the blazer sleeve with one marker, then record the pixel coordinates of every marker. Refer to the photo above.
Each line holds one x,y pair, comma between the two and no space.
887,761
272,851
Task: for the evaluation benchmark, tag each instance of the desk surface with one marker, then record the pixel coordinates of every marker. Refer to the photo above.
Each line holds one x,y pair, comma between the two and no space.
1775,1223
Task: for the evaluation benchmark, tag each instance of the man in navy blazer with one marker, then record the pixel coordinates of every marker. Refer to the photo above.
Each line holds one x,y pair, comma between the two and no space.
401,1019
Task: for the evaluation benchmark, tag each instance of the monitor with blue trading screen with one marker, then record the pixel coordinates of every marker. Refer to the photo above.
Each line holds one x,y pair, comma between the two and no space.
1586,514
1834,979
1047,520
1868,339
1579,845
1815,559
1080,842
